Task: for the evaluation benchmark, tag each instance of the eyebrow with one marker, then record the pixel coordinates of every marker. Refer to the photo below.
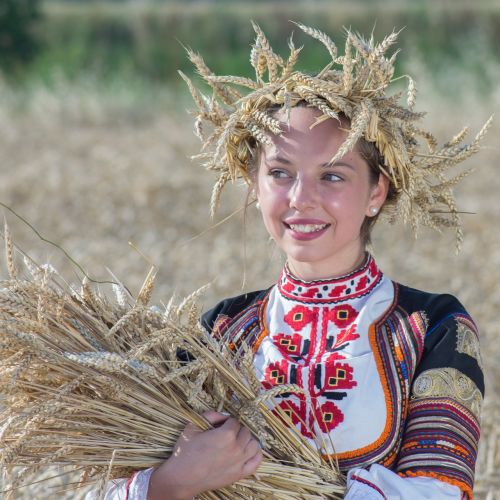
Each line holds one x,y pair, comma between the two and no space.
285,161
338,164
278,159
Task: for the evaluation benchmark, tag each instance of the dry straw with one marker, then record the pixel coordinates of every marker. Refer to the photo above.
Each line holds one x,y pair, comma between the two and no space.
96,384
355,84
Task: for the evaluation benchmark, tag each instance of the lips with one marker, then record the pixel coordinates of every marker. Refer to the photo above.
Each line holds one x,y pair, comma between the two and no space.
306,229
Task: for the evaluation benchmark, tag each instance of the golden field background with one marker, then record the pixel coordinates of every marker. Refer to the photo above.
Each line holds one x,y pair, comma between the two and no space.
91,182
93,170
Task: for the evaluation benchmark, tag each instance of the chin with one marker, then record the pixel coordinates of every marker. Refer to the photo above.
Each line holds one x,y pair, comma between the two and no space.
306,257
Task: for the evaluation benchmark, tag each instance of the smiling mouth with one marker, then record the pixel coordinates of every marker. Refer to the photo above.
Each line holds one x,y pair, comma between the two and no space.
306,228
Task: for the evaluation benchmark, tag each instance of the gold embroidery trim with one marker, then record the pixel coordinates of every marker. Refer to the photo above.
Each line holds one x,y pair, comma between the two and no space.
449,383
468,343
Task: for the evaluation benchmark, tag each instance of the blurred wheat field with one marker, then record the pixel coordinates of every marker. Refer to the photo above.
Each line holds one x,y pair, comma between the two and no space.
93,172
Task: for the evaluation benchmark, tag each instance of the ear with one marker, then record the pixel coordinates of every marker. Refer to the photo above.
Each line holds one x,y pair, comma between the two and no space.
378,194
253,192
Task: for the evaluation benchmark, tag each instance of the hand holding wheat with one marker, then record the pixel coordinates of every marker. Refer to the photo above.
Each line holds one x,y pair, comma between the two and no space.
207,460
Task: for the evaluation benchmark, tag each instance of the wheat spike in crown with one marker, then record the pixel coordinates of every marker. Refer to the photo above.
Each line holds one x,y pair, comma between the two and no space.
354,84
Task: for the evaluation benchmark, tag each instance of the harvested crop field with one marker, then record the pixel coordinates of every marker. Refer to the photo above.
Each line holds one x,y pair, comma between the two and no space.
92,174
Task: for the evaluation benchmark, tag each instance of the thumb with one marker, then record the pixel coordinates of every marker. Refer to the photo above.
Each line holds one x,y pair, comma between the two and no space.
215,418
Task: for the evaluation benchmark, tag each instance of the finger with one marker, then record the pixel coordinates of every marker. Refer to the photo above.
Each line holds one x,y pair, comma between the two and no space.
244,436
251,465
215,418
231,425
252,449
189,431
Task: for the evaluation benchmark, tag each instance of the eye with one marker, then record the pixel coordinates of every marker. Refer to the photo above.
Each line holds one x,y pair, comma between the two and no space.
331,177
278,173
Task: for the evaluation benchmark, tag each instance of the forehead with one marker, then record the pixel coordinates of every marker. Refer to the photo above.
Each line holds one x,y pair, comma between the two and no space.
304,136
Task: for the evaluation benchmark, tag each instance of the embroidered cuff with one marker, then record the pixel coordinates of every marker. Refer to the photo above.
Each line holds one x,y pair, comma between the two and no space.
360,487
137,488
379,483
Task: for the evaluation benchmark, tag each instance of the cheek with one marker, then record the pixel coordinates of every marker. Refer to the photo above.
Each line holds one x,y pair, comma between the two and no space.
347,206
272,207
270,196
342,200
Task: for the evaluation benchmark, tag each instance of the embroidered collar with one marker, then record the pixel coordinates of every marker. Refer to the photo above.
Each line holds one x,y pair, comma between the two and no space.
355,284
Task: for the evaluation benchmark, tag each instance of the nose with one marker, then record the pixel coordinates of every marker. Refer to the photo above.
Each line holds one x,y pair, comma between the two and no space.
303,195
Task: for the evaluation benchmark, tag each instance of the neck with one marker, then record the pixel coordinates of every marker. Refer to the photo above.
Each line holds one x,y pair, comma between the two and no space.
310,271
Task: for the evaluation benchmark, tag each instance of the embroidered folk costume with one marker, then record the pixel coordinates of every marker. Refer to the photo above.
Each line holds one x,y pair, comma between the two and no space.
390,377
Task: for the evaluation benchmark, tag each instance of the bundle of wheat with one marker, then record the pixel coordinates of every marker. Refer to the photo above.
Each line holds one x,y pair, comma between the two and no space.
97,384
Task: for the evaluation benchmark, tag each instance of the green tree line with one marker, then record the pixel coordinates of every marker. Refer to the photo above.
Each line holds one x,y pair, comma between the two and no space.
126,39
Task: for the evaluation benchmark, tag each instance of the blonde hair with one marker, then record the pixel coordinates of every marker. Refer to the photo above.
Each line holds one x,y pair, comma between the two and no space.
355,85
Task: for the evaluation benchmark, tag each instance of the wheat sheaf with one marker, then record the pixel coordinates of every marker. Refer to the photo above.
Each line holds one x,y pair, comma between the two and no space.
94,382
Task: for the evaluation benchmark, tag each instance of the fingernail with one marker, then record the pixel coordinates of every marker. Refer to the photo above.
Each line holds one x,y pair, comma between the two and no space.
225,413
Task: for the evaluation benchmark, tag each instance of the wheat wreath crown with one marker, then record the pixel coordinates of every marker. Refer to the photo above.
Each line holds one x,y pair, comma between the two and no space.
355,84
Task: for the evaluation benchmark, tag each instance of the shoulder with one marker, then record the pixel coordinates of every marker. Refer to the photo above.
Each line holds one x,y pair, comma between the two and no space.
451,339
437,307
231,307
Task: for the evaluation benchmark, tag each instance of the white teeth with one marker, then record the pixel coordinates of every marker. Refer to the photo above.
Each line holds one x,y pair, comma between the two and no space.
307,228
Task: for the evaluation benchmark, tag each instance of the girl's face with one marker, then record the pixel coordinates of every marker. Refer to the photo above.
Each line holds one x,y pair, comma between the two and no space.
312,209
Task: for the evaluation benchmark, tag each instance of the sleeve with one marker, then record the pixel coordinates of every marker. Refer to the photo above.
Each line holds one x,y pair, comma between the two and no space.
217,319
379,483
441,434
133,488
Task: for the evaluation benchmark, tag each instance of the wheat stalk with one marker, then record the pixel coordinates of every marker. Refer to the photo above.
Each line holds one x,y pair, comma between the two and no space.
108,398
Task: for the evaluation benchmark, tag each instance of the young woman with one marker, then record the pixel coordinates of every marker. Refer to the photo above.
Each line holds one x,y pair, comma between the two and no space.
392,375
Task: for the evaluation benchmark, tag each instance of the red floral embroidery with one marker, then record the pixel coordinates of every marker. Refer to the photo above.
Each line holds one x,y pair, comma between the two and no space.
334,356
354,285
311,292
277,373
308,350
299,316
346,335
337,291
338,376
363,281
297,413
327,416
342,315
288,344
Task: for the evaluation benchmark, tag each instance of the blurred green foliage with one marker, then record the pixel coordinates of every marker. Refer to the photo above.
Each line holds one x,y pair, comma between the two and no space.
18,36
144,39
